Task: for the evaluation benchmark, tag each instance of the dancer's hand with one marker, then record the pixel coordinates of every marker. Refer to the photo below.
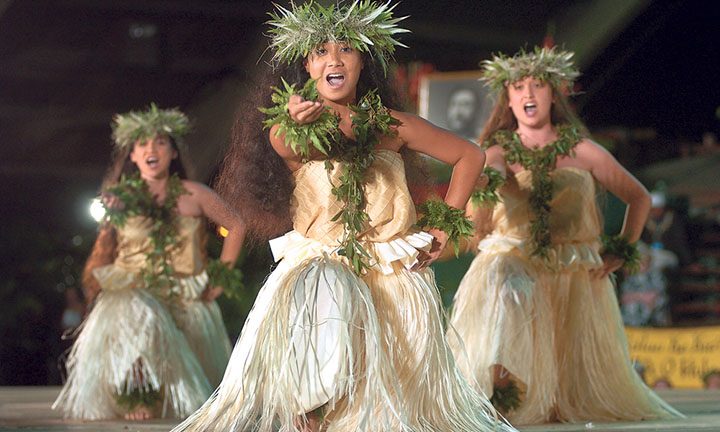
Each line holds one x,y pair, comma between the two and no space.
482,181
111,201
610,264
304,112
438,245
211,293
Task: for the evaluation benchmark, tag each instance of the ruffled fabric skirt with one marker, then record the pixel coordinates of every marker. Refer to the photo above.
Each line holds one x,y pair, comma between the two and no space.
129,341
369,353
203,326
557,332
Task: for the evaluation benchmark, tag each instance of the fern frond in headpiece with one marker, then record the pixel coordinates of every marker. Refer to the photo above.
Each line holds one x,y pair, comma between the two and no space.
546,64
366,26
140,125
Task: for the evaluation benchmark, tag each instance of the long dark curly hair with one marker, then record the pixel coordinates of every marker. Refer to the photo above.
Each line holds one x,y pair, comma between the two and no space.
253,178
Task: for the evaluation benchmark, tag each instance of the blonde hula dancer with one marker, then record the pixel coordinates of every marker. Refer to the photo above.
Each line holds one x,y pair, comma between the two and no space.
346,334
536,313
154,342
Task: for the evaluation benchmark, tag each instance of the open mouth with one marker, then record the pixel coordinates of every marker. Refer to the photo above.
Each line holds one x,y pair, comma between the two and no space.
152,161
335,79
530,108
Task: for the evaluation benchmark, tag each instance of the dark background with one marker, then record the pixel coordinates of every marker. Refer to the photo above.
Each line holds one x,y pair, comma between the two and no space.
651,71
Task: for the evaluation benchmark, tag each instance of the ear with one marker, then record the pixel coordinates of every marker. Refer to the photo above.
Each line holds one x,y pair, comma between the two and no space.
133,156
305,65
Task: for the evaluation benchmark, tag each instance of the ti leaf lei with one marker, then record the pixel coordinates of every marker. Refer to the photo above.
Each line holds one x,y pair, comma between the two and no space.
618,246
489,196
438,214
370,121
321,133
540,162
230,279
133,191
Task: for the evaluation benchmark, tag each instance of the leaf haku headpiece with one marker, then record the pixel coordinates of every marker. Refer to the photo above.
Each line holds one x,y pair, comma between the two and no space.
365,25
130,127
546,64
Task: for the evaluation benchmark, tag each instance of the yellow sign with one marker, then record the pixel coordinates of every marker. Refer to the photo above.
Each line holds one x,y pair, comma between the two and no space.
679,356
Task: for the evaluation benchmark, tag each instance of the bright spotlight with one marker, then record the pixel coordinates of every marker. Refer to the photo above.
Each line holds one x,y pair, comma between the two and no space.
97,210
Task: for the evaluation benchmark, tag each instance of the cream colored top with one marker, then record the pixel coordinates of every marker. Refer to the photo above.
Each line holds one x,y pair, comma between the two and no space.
389,204
187,256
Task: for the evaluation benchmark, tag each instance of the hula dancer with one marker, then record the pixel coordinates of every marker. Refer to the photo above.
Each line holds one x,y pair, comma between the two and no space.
536,312
346,334
154,344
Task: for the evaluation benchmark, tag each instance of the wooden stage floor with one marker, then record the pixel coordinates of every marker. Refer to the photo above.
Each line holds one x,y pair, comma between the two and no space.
28,409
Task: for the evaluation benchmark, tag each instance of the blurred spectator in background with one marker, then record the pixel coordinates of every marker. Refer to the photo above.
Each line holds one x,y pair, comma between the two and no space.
711,380
643,295
662,383
74,310
664,229
709,144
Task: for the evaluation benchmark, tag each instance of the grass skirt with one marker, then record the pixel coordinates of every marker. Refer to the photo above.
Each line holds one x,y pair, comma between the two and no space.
370,351
559,333
129,341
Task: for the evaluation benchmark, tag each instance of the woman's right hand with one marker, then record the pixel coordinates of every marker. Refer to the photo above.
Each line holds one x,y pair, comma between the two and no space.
303,111
111,201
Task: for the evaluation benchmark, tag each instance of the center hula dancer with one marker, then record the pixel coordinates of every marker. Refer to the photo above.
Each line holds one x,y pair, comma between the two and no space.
346,334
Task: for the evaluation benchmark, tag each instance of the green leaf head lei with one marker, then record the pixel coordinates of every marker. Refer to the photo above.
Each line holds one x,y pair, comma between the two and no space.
546,64
365,25
130,127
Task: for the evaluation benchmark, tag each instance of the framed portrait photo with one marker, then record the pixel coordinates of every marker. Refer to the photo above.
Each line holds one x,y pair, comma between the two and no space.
456,101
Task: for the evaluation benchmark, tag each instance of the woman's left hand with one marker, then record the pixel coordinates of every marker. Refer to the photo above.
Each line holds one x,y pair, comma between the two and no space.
438,245
211,293
610,264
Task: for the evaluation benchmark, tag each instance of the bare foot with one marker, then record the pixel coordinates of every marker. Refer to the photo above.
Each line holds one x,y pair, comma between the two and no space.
501,377
142,412
309,423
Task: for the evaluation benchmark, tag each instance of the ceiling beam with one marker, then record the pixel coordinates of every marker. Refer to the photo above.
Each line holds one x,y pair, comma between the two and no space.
482,36
588,28
4,5
217,9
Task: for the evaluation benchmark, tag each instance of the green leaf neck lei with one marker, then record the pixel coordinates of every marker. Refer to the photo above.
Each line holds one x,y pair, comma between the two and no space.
370,121
135,194
541,162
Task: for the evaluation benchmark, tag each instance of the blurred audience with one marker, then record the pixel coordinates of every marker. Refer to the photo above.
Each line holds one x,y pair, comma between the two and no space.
711,380
74,310
666,230
643,295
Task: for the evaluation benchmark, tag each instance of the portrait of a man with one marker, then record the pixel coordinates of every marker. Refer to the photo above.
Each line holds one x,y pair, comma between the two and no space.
455,101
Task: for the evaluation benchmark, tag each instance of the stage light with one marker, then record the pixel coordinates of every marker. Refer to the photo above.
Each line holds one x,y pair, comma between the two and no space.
97,210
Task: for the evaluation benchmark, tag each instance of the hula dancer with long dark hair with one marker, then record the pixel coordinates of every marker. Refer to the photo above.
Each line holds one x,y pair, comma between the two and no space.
347,332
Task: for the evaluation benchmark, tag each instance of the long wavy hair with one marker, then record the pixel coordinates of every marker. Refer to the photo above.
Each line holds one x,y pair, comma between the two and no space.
104,250
502,117
253,178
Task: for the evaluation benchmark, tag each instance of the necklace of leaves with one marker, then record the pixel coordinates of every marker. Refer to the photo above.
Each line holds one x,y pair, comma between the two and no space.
137,200
370,121
540,162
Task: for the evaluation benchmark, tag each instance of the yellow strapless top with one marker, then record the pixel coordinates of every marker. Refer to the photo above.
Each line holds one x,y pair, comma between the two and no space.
187,255
574,215
389,204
